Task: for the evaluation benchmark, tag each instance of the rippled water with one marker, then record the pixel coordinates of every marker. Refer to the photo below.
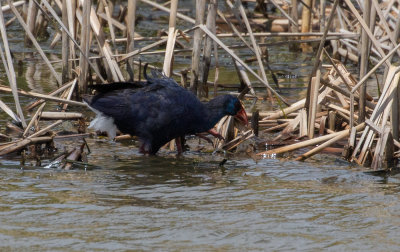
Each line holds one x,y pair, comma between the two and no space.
169,203
125,201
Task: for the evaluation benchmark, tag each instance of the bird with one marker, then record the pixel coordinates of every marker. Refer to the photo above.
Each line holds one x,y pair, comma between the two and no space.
157,110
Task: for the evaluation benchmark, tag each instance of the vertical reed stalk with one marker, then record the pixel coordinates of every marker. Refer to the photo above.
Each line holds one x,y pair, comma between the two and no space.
55,16
197,38
394,117
65,46
318,58
85,34
71,12
306,16
130,36
315,83
109,8
167,68
294,28
364,62
31,19
322,7
210,23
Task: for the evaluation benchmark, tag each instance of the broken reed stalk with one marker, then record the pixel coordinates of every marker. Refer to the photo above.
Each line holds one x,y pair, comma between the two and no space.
85,40
196,52
383,60
306,16
234,29
33,120
255,46
343,134
294,28
318,57
230,52
10,69
384,23
168,59
74,156
131,19
160,7
46,129
395,116
42,96
111,66
109,20
23,143
364,62
115,23
244,77
60,115
66,70
143,49
31,19
312,110
367,30
7,109
331,35
35,43
293,22
306,143
384,99
55,16
202,89
53,93
35,137
70,30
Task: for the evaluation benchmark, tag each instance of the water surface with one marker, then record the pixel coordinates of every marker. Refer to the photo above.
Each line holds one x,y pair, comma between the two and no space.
186,203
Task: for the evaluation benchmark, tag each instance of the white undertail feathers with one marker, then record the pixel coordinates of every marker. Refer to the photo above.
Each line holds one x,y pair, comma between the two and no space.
103,123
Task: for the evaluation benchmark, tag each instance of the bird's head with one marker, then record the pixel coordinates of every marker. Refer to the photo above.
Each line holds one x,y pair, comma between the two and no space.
234,107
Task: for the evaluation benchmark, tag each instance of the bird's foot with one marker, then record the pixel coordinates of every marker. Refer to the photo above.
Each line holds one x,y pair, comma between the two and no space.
216,134
204,137
143,150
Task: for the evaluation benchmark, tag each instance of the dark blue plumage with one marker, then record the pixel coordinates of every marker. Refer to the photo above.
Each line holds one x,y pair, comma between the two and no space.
158,111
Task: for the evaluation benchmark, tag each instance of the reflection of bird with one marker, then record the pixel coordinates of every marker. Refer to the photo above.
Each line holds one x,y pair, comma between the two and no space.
157,111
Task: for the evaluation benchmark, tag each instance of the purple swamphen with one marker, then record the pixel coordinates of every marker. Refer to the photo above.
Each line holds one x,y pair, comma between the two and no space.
157,111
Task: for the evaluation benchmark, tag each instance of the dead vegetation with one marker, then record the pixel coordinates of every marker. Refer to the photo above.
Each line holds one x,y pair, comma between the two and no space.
98,46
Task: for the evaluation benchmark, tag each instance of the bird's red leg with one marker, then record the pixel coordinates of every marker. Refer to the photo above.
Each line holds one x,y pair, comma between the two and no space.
178,144
216,134
204,137
141,149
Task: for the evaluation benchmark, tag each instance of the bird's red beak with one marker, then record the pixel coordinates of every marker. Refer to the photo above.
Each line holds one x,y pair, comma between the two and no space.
242,116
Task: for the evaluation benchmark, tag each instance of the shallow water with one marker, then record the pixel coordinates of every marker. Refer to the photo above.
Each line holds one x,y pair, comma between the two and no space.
186,203
123,200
